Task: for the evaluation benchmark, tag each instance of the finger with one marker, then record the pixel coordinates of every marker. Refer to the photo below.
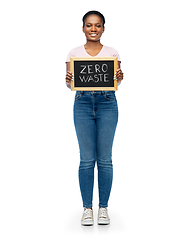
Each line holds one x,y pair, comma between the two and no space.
118,70
69,74
119,73
69,77
119,78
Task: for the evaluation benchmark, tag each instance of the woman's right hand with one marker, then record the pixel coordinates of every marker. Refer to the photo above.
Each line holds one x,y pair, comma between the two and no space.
69,77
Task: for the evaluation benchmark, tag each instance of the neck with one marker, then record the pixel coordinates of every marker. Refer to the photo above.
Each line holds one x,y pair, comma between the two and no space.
90,44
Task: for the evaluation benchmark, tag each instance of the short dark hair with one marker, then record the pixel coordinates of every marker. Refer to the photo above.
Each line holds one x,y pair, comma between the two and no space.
95,13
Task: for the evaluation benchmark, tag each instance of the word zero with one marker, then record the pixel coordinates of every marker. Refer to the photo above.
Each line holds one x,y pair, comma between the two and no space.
94,73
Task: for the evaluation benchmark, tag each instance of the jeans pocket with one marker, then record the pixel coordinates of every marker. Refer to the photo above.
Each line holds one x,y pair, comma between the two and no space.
78,95
110,95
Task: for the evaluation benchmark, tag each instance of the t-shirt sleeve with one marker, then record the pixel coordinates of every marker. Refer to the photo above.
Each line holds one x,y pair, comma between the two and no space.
116,54
71,54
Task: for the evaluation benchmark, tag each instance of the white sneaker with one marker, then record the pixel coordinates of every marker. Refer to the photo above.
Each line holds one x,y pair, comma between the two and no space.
103,218
87,217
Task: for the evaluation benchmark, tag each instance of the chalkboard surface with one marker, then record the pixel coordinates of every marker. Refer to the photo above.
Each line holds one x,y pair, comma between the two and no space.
94,73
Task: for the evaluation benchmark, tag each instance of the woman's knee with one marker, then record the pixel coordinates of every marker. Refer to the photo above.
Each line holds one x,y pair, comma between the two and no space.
104,163
87,163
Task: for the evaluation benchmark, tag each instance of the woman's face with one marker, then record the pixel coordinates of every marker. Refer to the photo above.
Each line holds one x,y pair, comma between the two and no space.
93,28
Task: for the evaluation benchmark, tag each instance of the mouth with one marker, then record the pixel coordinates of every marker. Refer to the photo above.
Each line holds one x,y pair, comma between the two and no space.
93,34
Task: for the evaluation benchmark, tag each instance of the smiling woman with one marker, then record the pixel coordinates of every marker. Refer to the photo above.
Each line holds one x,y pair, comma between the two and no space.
95,119
93,27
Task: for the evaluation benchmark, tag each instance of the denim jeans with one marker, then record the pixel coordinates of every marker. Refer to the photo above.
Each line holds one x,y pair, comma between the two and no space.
95,119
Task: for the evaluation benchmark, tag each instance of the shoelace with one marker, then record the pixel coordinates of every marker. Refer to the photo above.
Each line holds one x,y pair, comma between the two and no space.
87,213
102,213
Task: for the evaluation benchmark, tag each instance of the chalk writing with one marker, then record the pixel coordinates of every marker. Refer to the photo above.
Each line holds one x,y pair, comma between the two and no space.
91,73
96,78
94,73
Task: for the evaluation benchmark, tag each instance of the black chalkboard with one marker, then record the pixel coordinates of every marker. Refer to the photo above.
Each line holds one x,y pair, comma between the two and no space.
94,73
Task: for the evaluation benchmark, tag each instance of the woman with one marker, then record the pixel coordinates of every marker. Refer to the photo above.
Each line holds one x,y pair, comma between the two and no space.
95,119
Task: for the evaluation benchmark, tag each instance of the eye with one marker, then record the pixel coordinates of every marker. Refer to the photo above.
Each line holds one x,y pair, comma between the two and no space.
98,26
88,25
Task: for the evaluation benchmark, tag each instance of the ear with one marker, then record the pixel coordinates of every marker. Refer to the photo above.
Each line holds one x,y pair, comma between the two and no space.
103,29
83,29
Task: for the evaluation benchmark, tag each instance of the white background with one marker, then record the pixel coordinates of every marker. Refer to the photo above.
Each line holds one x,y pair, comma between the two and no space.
40,197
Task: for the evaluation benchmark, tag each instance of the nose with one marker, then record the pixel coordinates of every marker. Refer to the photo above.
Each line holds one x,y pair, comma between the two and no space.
93,29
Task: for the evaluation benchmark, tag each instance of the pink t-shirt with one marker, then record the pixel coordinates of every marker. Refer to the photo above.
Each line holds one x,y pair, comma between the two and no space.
81,52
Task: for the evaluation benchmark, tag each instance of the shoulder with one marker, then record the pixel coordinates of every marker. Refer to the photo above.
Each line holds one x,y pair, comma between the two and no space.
76,50
112,51
109,48
74,53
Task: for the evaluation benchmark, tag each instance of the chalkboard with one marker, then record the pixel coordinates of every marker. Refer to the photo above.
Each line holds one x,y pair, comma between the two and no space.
93,74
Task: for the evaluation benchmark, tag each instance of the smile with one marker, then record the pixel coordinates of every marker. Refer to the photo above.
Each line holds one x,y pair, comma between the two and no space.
93,34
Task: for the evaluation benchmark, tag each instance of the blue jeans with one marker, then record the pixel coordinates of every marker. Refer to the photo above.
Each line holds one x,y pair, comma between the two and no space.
95,119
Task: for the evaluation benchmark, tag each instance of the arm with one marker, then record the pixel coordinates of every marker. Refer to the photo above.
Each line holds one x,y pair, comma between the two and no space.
68,75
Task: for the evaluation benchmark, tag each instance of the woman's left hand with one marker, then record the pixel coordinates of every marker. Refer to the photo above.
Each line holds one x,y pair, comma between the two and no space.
119,75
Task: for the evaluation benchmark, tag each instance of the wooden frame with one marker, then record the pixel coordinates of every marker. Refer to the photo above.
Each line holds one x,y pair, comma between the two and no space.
91,60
